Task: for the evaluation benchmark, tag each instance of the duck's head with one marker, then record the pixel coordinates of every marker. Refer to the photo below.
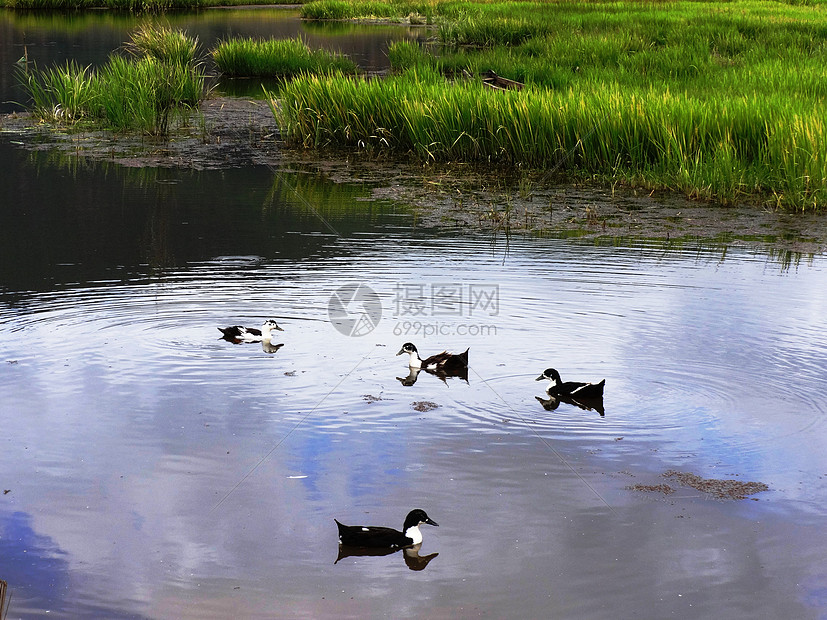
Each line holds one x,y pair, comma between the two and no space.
416,518
408,347
549,374
270,325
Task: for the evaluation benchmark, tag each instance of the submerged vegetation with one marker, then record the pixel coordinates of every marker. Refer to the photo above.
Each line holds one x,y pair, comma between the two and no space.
143,93
270,58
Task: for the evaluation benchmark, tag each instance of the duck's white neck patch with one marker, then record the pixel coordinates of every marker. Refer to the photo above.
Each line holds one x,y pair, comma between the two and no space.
414,361
414,534
551,383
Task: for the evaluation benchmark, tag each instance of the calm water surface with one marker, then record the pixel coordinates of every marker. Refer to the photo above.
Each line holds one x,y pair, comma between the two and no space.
156,471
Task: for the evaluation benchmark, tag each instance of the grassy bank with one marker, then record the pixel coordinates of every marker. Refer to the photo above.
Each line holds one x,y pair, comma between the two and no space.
276,58
144,92
720,100
724,150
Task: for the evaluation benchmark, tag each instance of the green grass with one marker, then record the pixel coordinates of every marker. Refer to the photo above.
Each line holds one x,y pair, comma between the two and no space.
276,58
165,44
59,94
723,150
416,11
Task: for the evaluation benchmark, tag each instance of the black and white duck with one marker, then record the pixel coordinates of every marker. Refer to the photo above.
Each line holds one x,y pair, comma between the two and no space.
385,537
572,389
446,362
239,333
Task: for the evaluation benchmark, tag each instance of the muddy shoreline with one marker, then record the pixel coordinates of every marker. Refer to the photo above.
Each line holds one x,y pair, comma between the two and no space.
232,132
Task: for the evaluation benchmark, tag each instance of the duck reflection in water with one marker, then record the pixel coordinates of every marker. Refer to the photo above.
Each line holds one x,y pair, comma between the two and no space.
552,402
413,560
269,347
443,375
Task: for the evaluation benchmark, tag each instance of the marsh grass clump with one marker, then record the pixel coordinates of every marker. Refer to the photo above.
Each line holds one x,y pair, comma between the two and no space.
487,31
276,58
165,44
415,11
142,93
63,94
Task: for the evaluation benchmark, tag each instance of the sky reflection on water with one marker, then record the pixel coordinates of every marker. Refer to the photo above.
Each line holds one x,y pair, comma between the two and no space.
157,471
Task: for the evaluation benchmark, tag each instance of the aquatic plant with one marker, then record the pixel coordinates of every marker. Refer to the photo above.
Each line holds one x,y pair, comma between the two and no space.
271,57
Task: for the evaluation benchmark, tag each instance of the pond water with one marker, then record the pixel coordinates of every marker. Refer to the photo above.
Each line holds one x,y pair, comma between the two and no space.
154,470
151,470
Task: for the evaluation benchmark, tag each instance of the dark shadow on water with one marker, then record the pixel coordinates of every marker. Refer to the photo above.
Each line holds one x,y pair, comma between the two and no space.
443,375
413,560
589,404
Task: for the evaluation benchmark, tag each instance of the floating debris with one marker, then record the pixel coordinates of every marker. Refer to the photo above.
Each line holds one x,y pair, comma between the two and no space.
369,398
424,405
652,488
721,489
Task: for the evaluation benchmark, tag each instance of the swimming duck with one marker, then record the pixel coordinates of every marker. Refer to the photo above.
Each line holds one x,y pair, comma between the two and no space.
373,536
574,389
448,362
239,333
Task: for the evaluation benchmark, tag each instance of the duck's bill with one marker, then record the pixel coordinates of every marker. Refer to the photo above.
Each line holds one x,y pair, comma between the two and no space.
278,328
540,378
432,522
401,351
